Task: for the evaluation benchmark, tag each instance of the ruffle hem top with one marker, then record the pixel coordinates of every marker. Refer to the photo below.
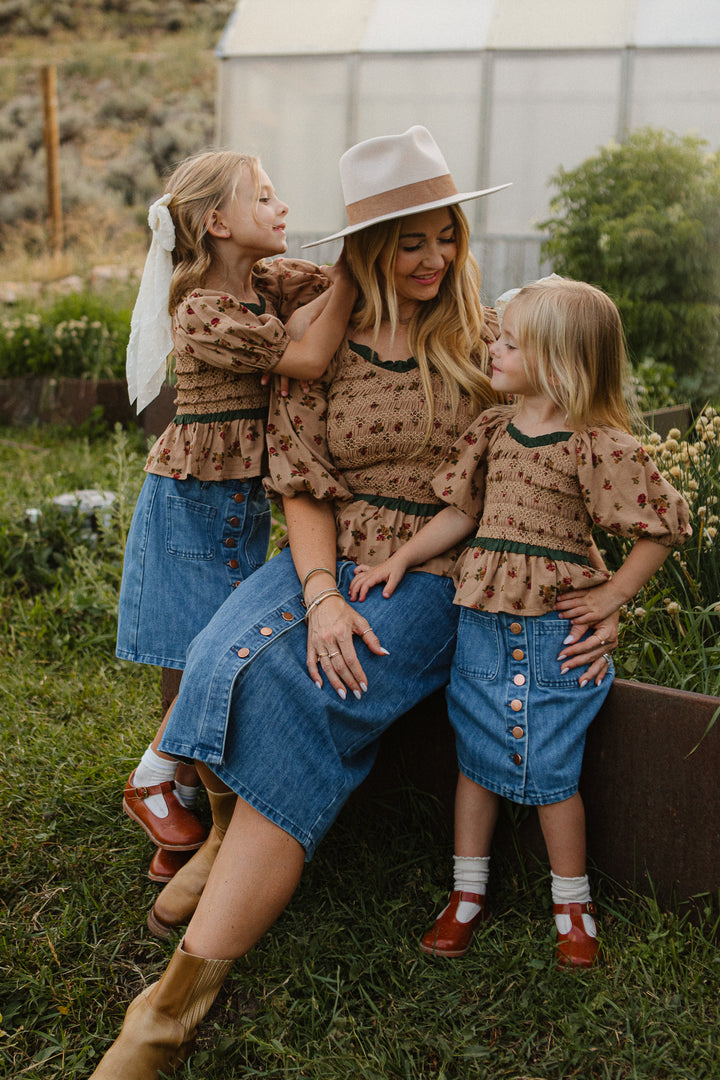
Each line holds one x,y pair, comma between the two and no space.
537,499
221,349
355,439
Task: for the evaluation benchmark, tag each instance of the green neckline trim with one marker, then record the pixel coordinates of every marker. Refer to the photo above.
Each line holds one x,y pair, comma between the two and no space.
538,440
415,508
491,544
390,365
220,417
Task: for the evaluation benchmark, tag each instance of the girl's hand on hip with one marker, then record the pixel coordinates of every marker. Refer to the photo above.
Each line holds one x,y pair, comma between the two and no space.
332,627
592,653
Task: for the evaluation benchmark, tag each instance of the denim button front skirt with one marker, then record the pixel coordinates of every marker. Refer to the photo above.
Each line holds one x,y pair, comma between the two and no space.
249,710
190,542
519,724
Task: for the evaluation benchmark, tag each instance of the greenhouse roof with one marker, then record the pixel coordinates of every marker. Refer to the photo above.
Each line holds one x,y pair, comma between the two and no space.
312,27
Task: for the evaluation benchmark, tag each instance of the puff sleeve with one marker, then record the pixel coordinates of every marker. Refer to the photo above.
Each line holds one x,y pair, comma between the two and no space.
219,331
461,481
624,491
298,457
291,283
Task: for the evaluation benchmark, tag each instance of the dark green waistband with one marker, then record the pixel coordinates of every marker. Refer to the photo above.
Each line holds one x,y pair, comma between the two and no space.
221,417
491,544
405,507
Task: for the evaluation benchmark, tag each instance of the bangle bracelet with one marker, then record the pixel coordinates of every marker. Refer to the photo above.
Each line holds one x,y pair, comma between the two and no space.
316,570
320,597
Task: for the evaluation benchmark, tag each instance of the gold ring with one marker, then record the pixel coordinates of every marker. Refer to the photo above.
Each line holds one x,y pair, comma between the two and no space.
332,654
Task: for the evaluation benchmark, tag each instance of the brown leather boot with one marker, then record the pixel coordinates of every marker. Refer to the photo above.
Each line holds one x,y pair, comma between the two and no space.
160,1024
176,903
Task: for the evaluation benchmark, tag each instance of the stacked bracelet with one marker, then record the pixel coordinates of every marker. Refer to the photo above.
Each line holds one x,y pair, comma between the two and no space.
316,570
320,597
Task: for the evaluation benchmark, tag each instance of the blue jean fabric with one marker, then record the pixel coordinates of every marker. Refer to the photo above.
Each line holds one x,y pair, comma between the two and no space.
519,724
190,543
249,710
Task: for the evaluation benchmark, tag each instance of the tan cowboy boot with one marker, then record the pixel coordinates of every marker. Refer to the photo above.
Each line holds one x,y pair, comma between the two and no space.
176,903
160,1024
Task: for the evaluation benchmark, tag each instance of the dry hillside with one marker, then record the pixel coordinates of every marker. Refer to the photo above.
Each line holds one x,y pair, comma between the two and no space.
136,92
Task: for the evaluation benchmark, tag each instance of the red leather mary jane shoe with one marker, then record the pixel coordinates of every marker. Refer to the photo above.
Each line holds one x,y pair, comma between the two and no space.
165,864
179,831
576,948
449,937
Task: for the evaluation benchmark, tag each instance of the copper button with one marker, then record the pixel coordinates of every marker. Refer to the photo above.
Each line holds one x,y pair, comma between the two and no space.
517,733
288,616
516,705
233,564
230,542
518,654
519,680
517,759
238,497
515,627
234,521
236,583
266,631
242,653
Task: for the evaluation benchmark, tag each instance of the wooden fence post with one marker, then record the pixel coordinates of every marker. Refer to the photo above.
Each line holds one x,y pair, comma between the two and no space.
51,136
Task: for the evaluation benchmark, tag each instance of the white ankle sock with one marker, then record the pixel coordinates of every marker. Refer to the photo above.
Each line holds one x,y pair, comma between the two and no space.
187,794
572,890
153,769
471,875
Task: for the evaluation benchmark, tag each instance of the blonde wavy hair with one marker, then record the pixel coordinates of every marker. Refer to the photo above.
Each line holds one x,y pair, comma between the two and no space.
445,334
198,186
572,338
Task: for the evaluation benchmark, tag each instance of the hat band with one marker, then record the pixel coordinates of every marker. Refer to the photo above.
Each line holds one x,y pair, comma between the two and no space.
401,198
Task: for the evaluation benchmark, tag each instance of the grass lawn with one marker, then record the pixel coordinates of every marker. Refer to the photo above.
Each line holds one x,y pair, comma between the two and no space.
338,989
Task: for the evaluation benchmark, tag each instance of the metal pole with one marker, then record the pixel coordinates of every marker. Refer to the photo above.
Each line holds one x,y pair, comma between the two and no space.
51,136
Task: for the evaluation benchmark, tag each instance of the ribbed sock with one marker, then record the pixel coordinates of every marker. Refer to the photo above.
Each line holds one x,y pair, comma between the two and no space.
187,794
572,890
153,769
470,875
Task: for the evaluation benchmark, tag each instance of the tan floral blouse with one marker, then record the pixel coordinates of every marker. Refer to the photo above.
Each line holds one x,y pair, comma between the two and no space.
537,500
221,349
356,439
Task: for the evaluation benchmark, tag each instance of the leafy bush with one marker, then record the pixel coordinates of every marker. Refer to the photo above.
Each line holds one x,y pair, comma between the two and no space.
642,221
78,336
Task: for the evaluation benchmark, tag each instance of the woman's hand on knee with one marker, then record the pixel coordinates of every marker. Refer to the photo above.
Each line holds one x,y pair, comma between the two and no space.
332,629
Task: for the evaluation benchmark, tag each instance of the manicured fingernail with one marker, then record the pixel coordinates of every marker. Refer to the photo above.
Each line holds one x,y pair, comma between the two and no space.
363,687
357,694
318,684
568,640
384,652
564,670
561,656
583,682
342,692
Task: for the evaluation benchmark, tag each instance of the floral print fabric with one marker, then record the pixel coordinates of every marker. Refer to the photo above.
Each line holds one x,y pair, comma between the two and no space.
537,500
221,349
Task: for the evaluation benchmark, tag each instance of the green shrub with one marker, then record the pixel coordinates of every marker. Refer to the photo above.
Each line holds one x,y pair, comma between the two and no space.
642,221
79,336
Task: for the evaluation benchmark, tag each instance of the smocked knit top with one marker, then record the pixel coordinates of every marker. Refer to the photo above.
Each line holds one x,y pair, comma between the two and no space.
536,500
221,349
356,439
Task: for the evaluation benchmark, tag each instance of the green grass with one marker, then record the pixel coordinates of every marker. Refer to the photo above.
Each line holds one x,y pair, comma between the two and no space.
338,989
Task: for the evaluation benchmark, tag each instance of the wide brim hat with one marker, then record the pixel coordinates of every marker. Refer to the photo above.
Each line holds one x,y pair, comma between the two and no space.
394,176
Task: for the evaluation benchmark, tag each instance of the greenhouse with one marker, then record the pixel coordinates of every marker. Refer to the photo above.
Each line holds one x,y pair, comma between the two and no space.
511,89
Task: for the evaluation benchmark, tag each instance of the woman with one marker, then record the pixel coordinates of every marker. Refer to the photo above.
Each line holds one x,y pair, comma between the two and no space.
264,707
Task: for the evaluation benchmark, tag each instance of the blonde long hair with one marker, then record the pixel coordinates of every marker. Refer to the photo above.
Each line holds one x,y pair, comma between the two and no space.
199,185
444,334
572,337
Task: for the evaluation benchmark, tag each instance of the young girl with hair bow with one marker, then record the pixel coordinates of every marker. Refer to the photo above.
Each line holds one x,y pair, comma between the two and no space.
202,522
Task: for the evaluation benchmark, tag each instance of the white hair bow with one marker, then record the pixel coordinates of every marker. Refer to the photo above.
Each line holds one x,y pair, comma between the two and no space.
150,326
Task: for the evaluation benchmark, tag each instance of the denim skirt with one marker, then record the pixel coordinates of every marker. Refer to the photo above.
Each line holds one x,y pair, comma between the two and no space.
519,724
191,542
249,710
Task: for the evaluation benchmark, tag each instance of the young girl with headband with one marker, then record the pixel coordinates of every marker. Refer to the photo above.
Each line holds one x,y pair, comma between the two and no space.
202,522
531,481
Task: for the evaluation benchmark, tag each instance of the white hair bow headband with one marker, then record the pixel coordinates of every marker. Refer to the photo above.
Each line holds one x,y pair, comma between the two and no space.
150,326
